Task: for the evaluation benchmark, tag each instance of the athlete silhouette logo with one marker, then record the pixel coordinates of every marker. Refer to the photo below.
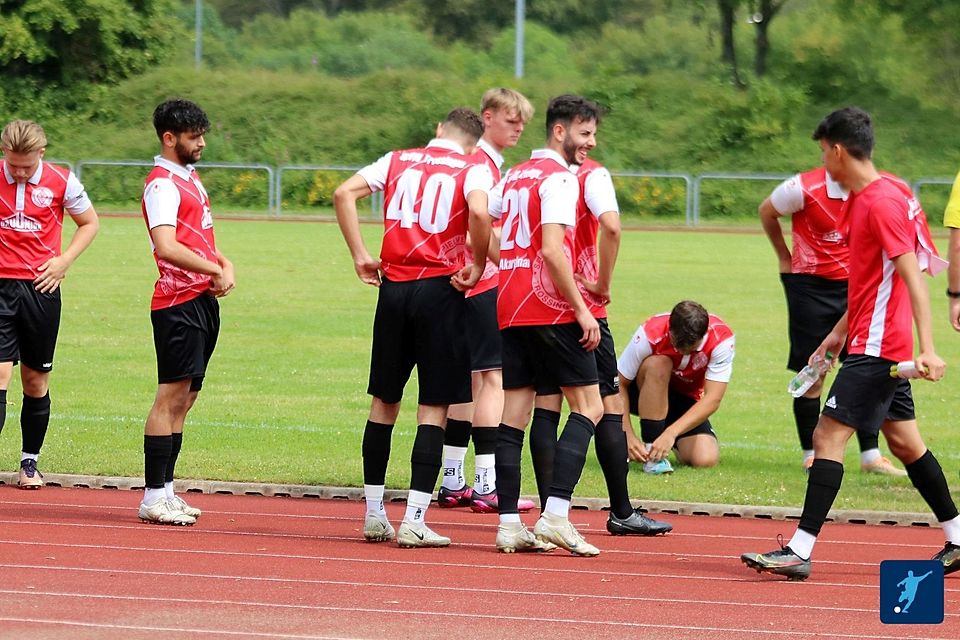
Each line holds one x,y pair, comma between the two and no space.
909,592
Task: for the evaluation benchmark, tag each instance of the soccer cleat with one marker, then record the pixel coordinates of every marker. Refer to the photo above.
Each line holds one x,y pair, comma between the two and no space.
884,467
783,562
658,468
450,498
377,528
559,531
179,503
419,535
488,503
163,512
30,476
636,524
513,536
949,557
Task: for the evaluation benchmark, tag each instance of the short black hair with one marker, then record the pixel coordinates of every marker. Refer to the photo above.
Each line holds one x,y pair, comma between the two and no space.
467,121
689,322
179,116
567,109
850,127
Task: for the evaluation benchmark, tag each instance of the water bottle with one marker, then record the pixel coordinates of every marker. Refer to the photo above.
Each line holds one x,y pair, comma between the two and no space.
809,375
906,369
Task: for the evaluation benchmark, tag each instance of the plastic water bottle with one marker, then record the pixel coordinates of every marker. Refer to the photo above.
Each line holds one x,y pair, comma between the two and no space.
809,375
906,369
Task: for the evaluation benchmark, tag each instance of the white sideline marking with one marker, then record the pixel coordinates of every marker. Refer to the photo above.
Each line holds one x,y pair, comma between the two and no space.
175,630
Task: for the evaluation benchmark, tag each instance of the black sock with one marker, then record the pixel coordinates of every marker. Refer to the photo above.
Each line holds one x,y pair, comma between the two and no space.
868,441
823,484
650,430
484,440
543,446
176,442
34,418
927,476
457,433
376,452
611,446
806,413
509,448
3,408
571,454
156,454
426,458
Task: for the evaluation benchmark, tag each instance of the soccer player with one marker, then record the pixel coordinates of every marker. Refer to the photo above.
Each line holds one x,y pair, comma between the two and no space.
33,197
674,374
547,328
597,211
888,233
505,112
184,310
432,196
814,276
951,219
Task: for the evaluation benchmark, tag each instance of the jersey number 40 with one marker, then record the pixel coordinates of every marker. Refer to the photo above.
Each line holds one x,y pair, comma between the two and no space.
426,204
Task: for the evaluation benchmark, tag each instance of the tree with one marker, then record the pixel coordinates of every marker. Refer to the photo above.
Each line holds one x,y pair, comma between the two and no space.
85,40
761,19
728,14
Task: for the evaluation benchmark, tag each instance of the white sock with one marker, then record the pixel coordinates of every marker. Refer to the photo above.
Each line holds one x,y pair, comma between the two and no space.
558,507
870,456
507,518
951,530
168,489
802,543
485,480
374,495
151,496
453,467
417,504
29,456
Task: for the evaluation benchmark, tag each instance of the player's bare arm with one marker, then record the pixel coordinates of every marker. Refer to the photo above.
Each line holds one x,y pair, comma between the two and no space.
479,237
701,410
636,450
927,360
345,200
770,221
562,275
54,270
607,250
834,342
953,277
169,249
225,283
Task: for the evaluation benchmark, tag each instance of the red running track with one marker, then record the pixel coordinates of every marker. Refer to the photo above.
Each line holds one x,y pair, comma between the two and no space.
77,563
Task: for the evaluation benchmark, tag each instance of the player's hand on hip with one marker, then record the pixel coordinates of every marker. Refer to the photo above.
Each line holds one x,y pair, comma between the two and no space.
52,273
224,283
593,287
467,278
931,366
591,329
368,270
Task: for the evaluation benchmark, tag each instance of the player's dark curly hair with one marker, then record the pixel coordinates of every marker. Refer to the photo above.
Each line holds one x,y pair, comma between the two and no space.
179,116
467,121
688,324
850,127
567,109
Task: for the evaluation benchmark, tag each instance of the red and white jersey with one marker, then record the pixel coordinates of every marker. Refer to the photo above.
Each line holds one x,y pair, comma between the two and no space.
425,208
31,218
174,196
886,221
597,197
815,202
540,191
491,157
712,360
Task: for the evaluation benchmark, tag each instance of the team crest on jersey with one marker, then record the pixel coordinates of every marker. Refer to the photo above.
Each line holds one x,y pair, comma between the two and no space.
451,251
22,223
544,288
42,197
699,360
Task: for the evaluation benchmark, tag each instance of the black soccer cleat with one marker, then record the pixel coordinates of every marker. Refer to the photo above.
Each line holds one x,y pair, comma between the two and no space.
949,557
782,562
636,524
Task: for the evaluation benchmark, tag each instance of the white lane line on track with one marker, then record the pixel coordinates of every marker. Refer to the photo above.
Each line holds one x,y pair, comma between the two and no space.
178,630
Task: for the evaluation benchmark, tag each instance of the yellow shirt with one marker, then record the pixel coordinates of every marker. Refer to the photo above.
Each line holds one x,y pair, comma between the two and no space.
951,216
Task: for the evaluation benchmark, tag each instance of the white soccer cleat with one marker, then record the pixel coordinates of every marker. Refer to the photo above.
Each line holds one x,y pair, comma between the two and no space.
377,528
419,535
179,503
163,512
559,531
514,536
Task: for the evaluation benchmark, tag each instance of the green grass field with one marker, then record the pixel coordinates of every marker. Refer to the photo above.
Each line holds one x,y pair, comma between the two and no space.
284,400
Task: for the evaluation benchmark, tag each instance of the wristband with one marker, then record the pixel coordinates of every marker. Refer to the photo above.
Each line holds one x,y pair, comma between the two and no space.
953,294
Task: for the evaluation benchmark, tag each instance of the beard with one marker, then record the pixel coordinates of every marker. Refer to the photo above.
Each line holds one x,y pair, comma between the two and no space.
187,157
569,150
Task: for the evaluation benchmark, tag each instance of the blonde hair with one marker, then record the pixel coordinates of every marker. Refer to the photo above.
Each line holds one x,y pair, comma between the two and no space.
23,136
508,100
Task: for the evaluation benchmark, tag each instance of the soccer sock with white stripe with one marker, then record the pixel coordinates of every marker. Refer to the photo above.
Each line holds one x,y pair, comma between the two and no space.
456,438
485,460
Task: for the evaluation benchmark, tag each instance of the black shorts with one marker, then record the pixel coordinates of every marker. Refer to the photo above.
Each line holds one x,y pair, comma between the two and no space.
184,337
545,355
420,323
606,356
814,305
863,395
677,405
29,324
483,334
